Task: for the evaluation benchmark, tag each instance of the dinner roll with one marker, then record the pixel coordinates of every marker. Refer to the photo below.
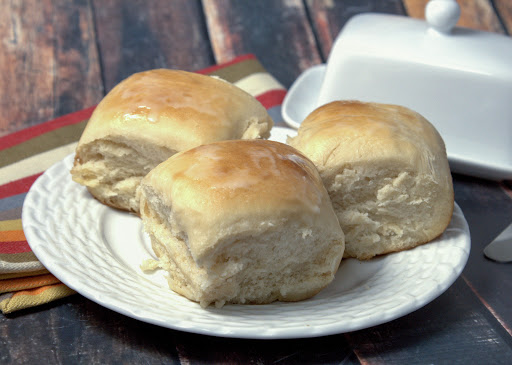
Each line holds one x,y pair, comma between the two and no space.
386,171
149,117
241,222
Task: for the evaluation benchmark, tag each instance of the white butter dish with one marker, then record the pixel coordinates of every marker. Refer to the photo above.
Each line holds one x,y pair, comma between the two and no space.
459,79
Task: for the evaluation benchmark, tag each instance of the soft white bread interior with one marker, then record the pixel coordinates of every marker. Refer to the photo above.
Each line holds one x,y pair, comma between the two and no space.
386,171
241,222
149,117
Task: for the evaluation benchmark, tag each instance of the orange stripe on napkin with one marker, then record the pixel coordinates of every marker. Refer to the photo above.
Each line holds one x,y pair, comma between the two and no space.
30,282
31,298
10,236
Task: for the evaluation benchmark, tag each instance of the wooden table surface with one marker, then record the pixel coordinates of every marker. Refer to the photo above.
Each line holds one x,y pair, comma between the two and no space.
61,56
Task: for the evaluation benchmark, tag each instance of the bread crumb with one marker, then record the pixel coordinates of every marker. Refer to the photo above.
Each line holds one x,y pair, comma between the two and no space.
149,265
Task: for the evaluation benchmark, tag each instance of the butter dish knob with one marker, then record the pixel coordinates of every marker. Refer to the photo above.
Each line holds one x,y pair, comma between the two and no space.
442,15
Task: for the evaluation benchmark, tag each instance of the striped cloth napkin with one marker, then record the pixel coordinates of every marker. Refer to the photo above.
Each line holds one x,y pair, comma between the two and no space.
24,155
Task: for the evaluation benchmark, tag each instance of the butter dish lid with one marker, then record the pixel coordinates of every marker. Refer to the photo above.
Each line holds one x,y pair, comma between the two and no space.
430,42
460,79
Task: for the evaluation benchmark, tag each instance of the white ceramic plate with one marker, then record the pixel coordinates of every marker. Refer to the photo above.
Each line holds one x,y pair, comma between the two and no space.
97,251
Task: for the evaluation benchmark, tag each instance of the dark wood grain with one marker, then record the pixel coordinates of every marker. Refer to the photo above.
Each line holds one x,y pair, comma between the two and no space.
475,14
488,210
48,61
77,331
216,350
504,8
277,32
140,35
328,17
445,331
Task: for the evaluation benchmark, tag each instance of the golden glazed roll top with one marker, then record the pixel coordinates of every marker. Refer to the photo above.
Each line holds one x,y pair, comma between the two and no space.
178,110
152,115
353,132
254,211
386,170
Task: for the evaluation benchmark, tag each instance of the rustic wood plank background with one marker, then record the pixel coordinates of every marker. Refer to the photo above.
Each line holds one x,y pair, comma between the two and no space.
62,56
49,63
